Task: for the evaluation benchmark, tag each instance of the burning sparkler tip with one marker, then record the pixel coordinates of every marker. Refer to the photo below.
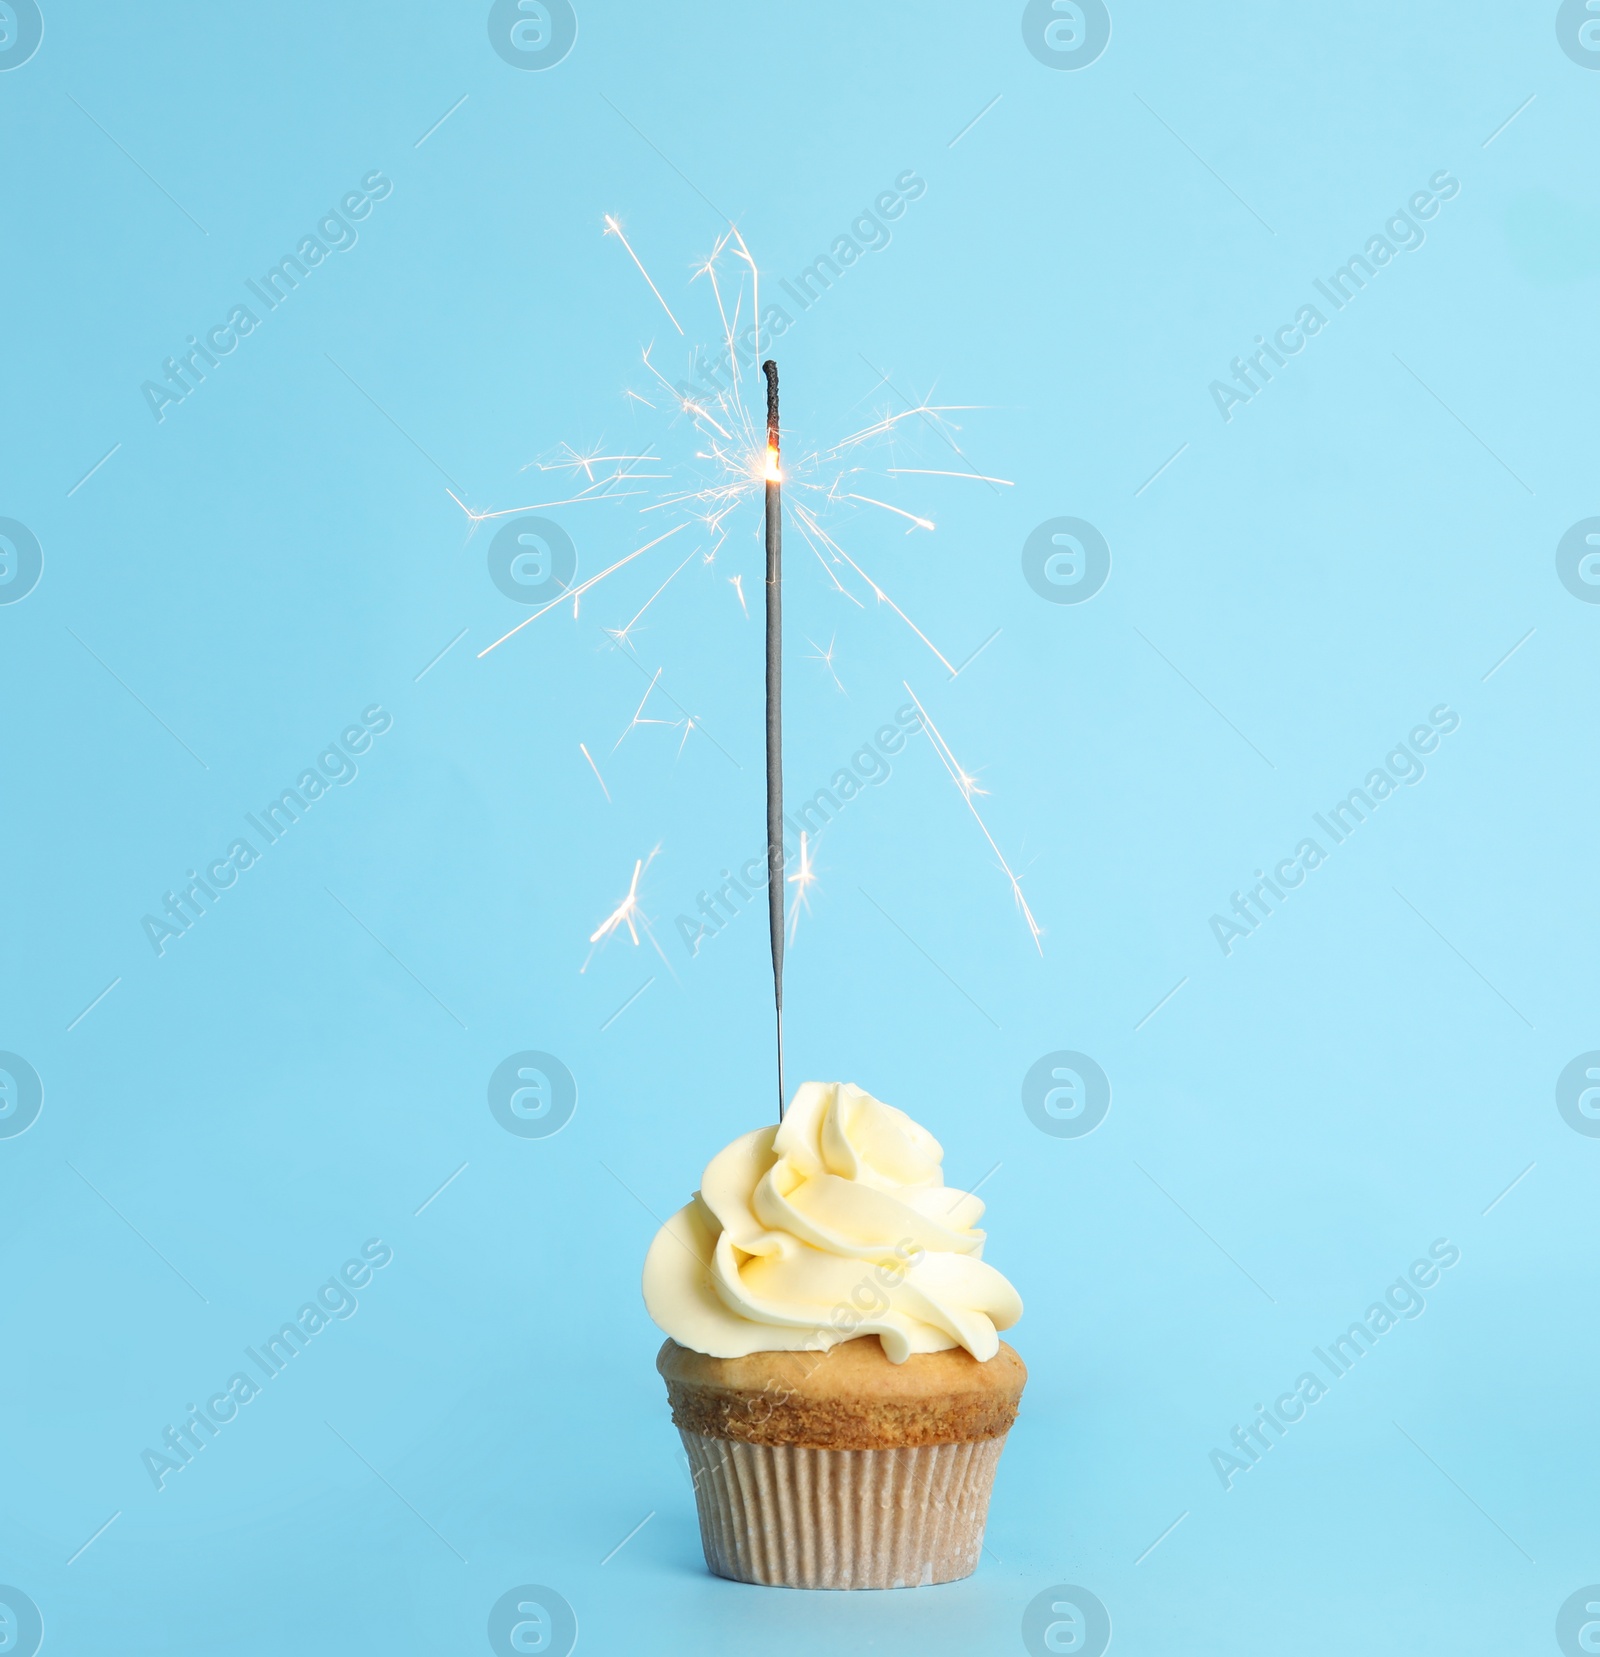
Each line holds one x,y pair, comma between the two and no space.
770,369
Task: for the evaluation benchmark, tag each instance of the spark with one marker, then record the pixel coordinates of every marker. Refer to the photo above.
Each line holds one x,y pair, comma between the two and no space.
615,229
729,329
700,412
538,506
577,592
887,423
688,724
476,517
934,472
838,585
755,285
596,769
916,522
620,634
645,357
695,410
638,714
586,463
737,583
802,880
968,786
808,521
598,490
825,657
628,914
930,414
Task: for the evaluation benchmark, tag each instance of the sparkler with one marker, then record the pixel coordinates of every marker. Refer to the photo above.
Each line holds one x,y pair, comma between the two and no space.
774,479
705,489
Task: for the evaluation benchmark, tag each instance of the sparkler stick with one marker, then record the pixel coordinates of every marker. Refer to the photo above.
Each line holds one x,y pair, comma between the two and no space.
774,479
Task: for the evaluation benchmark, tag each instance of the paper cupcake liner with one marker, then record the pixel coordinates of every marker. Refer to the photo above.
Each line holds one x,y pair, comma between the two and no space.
790,1516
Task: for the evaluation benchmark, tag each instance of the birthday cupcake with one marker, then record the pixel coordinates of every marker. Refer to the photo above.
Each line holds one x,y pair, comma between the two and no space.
833,1362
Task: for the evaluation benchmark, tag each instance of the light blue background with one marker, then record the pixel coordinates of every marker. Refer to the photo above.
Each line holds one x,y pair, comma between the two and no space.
1293,1127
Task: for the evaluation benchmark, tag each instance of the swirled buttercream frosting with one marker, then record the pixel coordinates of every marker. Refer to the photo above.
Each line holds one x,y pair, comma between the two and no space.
835,1224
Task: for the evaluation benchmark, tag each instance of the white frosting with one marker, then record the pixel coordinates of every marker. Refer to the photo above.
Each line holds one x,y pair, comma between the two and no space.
834,1225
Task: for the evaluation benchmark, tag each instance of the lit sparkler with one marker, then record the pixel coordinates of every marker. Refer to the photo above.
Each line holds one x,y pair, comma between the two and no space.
772,474
730,454
731,457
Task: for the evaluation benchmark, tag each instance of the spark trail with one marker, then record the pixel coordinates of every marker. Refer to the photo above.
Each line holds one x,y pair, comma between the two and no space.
615,229
628,914
968,785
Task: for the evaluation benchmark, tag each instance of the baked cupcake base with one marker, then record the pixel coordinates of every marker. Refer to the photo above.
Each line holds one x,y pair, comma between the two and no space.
839,1469
789,1516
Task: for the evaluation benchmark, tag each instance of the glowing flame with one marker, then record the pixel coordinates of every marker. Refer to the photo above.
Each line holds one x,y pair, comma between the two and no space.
773,475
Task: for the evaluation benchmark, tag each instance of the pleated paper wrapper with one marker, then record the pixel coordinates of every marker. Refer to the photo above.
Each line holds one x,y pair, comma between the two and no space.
792,1516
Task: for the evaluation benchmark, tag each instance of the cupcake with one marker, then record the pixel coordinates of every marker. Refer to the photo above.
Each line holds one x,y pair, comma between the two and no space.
833,1362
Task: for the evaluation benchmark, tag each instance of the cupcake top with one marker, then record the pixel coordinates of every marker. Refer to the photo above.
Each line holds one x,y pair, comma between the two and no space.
834,1225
